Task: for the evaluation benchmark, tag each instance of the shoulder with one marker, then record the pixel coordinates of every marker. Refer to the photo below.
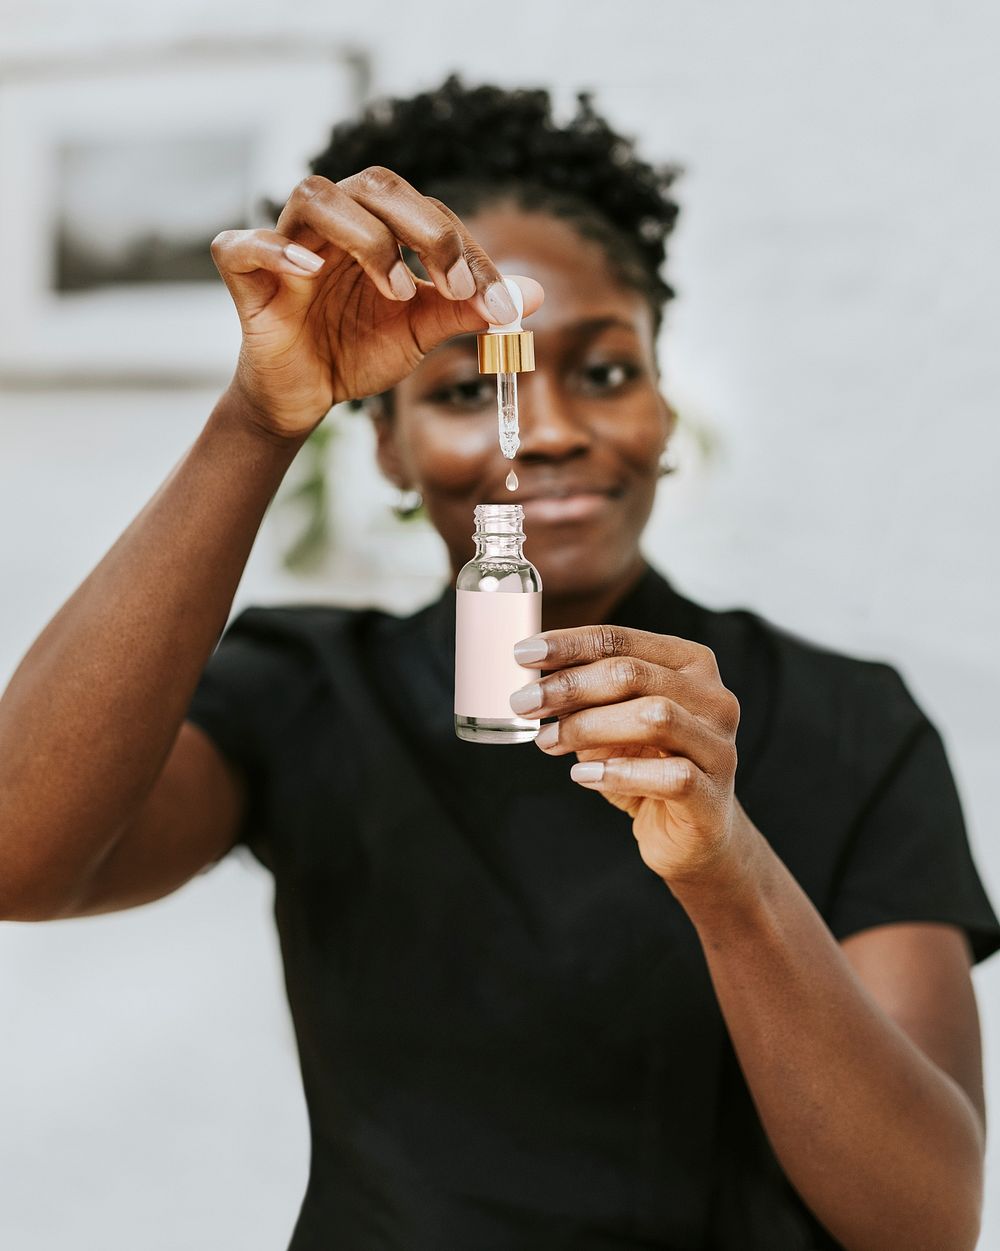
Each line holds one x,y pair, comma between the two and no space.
838,673
305,619
860,699
822,734
315,639
856,708
296,627
286,649
274,662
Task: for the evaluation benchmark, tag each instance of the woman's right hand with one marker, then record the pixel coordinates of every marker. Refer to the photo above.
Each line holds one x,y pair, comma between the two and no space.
329,309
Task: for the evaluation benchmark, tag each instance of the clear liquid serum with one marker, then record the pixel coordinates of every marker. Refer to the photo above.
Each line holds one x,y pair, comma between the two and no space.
498,602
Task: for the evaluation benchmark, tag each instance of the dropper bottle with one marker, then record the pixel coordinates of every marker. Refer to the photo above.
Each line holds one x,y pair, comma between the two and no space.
498,602
507,351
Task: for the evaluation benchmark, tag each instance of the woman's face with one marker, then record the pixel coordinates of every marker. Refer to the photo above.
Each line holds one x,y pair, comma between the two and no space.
592,420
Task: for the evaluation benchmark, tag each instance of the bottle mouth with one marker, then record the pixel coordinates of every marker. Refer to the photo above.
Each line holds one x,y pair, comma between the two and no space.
499,510
505,520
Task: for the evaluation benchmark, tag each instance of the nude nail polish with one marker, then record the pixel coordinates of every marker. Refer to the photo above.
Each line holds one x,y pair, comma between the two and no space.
460,280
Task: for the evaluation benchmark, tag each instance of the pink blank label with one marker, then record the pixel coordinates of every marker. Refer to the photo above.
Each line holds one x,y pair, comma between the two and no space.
487,625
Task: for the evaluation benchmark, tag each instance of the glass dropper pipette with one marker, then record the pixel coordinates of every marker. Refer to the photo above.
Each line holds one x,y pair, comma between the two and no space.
507,418
506,351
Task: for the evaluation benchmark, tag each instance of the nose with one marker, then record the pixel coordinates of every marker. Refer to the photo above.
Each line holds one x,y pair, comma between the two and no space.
549,427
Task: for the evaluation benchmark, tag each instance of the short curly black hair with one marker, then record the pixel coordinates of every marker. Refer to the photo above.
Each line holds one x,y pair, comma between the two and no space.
469,146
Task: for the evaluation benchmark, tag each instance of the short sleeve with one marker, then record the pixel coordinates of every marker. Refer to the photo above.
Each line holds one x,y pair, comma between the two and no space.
244,700
909,857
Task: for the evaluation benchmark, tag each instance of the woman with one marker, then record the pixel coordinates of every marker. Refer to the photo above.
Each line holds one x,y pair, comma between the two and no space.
748,1025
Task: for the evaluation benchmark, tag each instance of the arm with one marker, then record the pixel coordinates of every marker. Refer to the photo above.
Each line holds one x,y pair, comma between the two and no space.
101,799
92,714
863,1061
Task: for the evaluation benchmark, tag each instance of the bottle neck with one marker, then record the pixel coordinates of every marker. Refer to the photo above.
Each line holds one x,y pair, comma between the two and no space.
499,533
499,546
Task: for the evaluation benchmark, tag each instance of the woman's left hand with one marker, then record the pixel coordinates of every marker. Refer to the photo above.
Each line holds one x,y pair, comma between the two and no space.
648,713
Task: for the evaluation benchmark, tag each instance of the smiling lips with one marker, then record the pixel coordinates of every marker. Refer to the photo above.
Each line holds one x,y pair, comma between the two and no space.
568,503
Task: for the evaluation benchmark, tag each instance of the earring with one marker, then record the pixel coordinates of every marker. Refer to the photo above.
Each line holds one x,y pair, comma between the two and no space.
667,465
408,503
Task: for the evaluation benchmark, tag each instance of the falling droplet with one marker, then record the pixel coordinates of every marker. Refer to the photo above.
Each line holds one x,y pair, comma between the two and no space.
511,481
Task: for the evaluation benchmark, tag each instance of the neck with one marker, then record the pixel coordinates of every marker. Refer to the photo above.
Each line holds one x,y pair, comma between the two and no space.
593,607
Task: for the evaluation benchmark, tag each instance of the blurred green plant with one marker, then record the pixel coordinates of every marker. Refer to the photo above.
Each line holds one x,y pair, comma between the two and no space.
311,495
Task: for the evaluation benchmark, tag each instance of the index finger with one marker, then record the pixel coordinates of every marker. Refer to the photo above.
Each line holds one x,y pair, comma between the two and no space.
491,292
454,261
581,645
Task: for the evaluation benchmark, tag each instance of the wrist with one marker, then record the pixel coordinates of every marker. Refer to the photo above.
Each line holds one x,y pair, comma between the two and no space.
734,889
237,413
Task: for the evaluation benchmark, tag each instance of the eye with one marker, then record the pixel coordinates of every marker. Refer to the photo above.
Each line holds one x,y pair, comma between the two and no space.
608,376
468,395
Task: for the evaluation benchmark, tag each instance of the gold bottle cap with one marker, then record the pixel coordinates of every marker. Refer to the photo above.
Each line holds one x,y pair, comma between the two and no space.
507,353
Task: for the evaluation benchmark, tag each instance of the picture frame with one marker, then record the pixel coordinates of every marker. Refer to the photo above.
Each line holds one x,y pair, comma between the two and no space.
115,175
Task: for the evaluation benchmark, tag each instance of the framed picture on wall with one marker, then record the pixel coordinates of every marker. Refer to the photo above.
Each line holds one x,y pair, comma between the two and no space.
115,176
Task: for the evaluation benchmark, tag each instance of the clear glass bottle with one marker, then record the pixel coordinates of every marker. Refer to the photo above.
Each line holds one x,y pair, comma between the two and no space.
498,601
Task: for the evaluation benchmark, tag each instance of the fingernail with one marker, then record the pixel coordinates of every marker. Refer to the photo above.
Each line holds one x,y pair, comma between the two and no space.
499,303
548,735
401,281
530,649
526,698
460,279
303,258
587,771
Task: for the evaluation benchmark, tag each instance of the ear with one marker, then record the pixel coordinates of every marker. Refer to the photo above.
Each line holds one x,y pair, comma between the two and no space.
386,449
669,418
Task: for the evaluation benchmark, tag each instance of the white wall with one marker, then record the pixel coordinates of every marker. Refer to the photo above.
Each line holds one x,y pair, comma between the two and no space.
838,271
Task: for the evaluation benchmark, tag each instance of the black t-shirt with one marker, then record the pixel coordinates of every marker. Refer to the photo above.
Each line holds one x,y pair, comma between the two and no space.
507,1033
